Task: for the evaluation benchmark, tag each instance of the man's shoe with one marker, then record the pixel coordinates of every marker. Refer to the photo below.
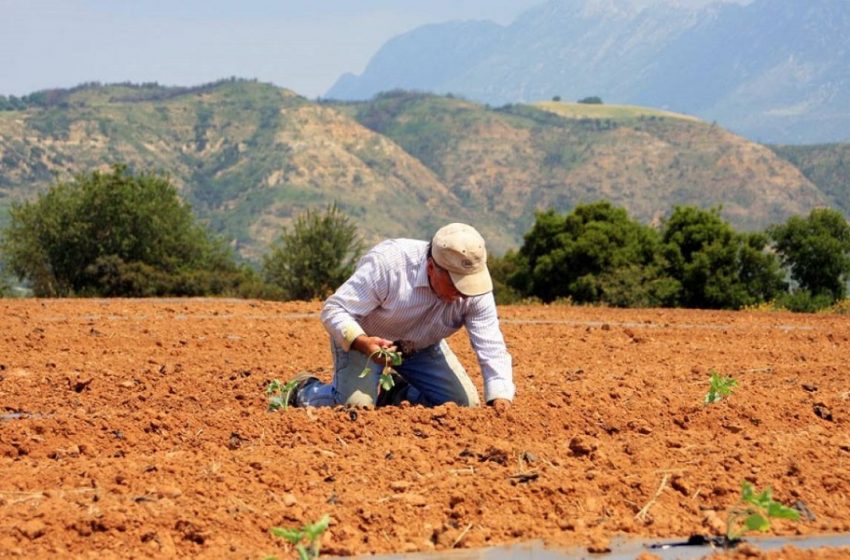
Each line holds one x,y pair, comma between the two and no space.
285,395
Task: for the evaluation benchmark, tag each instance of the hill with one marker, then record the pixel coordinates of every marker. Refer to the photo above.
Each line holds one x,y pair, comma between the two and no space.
621,113
825,165
772,70
247,156
514,160
250,156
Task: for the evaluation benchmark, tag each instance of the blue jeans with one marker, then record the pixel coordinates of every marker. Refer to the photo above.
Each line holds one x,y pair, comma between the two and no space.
435,376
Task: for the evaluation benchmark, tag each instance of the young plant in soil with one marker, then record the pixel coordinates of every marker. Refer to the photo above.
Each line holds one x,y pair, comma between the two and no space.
307,540
391,359
719,387
754,512
280,393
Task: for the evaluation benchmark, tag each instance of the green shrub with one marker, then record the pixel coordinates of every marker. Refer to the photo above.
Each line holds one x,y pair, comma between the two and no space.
318,253
803,301
816,249
594,254
115,234
716,266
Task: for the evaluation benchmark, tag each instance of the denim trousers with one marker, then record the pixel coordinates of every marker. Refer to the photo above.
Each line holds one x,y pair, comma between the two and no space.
434,373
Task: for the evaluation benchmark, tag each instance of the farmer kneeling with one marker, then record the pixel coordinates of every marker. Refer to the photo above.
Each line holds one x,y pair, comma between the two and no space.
416,294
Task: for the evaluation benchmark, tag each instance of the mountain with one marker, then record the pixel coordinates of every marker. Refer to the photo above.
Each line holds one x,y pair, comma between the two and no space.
514,160
825,165
246,156
773,70
249,157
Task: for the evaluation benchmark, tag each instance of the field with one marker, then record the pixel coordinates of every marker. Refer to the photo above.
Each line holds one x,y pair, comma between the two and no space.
607,111
133,428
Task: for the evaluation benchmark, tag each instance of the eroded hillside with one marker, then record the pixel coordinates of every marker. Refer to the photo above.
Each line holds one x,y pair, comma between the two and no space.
249,157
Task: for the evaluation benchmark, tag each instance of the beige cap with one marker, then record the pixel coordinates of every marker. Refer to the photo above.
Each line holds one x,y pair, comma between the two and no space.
459,249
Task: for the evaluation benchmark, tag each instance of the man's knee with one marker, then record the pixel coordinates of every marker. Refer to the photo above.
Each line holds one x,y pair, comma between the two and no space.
358,398
468,398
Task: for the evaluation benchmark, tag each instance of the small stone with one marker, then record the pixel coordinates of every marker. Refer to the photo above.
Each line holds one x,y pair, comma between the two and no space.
289,500
414,499
399,485
580,446
599,545
169,492
748,550
680,486
822,411
33,529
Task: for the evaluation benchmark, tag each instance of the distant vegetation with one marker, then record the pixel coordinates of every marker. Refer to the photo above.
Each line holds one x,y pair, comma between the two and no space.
116,234
252,161
826,165
248,157
150,91
125,234
592,100
593,108
313,257
596,254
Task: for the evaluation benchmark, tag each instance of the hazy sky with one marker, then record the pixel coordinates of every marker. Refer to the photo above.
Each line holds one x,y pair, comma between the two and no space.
303,45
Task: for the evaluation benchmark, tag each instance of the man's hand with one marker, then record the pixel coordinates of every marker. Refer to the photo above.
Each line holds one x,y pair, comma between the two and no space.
499,405
368,345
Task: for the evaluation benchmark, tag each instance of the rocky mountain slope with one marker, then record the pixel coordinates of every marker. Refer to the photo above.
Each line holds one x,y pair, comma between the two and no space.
250,156
772,70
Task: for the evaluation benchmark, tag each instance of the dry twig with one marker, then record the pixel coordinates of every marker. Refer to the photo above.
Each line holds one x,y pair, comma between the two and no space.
462,534
641,515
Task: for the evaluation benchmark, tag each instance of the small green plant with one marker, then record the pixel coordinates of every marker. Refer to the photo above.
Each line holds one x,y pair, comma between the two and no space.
719,387
280,393
307,540
754,512
391,359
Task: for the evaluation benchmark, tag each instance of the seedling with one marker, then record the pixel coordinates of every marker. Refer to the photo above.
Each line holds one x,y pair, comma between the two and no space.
719,387
307,540
391,359
754,512
280,393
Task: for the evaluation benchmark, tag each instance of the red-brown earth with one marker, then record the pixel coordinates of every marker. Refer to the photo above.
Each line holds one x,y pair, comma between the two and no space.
139,428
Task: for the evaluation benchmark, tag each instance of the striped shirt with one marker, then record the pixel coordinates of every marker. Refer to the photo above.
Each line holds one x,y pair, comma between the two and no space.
389,296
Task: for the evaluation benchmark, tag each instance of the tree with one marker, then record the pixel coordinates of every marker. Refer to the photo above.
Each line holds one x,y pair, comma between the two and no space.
592,100
115,234
315,256
595,253
816,249
716,266
501,270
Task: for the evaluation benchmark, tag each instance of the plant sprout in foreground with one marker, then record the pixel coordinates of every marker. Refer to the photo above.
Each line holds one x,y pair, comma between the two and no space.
719,387
307,540
391,359
754,512
280,393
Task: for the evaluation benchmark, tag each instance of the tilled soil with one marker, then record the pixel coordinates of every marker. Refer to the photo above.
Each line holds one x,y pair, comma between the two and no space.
137,428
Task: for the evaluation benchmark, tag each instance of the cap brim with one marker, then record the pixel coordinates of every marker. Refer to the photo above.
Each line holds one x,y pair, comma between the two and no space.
470,285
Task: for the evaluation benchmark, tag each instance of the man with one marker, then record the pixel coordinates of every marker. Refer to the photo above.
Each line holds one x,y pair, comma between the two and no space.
419,293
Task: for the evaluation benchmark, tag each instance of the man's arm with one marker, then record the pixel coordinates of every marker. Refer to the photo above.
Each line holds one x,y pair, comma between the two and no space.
363,292
482,325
